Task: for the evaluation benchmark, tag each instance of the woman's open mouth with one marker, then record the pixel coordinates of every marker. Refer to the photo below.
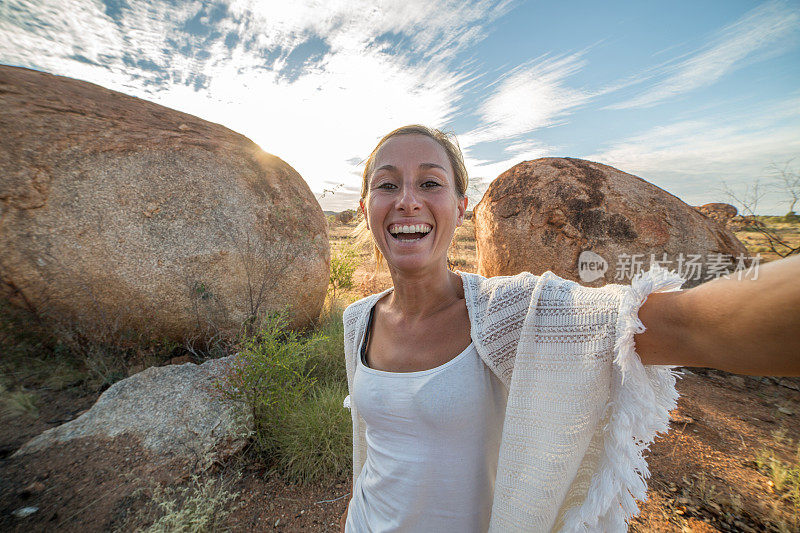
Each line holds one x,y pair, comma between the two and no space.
409,232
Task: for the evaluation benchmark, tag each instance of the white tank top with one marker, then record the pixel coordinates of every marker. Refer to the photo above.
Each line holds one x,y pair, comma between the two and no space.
433,441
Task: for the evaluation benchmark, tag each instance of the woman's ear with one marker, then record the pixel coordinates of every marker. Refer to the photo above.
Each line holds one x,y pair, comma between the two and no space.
364,211
462,210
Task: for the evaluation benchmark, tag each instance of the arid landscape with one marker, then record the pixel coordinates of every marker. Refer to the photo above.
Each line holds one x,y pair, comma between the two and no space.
185,273
731,461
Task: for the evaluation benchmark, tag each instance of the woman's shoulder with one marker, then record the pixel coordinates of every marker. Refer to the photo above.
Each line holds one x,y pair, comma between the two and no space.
356,308
500,288
521,279
362,306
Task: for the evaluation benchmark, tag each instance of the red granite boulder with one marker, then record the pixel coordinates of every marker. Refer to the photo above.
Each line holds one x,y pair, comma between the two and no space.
548,213
119,213
721,212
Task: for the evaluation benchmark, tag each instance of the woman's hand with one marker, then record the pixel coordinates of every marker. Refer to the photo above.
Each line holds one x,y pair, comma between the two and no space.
745,326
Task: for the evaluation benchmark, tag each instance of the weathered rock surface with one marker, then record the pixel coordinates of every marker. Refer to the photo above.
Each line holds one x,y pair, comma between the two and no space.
119,213
171,410
345,216
541,215
740,222
718,211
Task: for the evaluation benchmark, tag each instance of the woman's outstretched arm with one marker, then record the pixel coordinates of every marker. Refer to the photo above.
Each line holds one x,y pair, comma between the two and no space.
745,326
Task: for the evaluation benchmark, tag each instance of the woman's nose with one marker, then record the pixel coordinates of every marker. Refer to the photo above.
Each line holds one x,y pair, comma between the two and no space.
408,200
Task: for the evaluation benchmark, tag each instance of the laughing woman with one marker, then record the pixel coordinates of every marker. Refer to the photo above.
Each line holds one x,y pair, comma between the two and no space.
522,403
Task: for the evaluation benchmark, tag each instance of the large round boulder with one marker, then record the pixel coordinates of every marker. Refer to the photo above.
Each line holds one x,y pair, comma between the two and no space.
721,212
119,213
345,216
594,224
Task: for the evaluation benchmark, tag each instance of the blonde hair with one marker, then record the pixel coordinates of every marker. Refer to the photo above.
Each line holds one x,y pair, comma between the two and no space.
451,147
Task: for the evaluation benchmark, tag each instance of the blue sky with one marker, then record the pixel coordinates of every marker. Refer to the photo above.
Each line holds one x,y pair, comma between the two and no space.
682,94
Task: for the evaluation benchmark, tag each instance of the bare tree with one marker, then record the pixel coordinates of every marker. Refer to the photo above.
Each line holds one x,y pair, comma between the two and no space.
331,191
748,203
476,189
788,183
265,258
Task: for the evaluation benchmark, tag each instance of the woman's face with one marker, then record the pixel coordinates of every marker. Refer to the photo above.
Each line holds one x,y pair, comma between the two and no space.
412,206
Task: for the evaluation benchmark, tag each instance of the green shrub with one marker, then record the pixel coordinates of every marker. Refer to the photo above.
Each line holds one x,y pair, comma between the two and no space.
343,266
269,376
295,387
326,363
316,442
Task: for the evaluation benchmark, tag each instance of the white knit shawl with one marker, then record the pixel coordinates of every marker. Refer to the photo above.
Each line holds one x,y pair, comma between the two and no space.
581,407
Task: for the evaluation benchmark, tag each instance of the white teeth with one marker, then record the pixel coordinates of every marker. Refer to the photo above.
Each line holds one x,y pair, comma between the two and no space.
413,228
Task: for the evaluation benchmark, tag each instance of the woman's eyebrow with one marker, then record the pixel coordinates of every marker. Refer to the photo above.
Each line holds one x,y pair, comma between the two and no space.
392,168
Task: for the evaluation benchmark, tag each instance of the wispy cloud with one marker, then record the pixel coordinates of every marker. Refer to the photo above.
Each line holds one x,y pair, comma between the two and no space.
756,36
484,171
431,29
531,96
714,145
694,155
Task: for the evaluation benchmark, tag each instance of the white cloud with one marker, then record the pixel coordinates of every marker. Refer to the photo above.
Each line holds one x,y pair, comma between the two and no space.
522,147
691,157
363,83
487,171
434,29
753,37
702,146
52,34
318,131
531,96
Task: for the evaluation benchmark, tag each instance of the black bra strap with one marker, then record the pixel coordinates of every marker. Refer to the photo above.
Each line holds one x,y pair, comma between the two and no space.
366,338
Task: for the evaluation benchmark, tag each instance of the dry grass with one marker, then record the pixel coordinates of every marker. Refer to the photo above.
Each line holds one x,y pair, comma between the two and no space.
20,402
755,242
198,507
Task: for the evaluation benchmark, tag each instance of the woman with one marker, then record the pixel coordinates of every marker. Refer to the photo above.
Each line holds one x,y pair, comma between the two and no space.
518,403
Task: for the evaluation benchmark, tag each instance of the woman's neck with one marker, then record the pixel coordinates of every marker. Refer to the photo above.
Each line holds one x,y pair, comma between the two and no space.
423,293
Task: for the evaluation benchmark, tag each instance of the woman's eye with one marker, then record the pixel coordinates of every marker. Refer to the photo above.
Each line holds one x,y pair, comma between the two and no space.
431,184
385,185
